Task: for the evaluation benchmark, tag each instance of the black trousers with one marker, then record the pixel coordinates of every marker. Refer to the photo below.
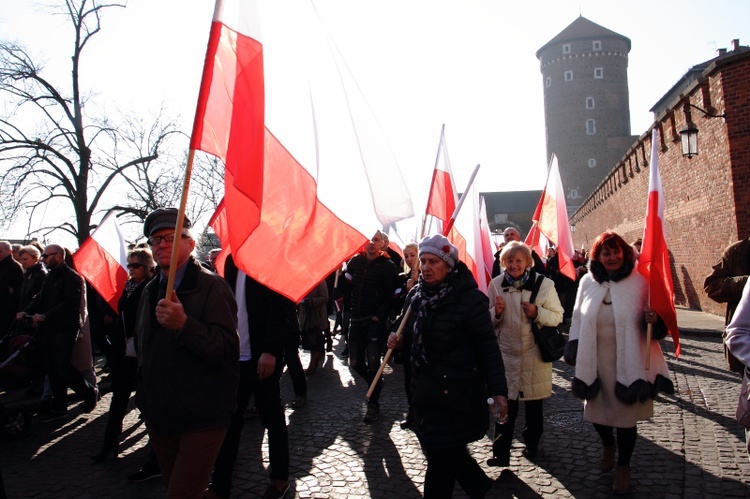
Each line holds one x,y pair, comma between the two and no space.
57,350
267,396
532,432
446,466
123,375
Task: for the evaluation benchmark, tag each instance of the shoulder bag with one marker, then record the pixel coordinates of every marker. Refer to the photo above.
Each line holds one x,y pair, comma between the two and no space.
551,341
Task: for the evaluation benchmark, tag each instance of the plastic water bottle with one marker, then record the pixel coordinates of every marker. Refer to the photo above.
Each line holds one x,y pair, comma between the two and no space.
496,412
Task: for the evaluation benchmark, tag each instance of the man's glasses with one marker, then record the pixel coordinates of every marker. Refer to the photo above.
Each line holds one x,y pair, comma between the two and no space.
156,240
45,255
134,265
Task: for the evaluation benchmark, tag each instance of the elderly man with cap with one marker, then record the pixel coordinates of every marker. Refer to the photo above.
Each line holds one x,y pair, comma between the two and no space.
188,353
456,368
512,234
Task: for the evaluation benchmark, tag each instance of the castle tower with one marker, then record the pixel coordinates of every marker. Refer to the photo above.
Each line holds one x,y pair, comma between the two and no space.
587,113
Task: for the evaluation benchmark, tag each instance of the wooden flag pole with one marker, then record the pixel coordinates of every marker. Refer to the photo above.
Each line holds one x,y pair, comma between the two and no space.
388,354
446,229
178,224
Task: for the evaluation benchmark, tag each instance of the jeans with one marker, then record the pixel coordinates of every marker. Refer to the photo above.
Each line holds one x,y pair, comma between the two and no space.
445,466
366,345
532,432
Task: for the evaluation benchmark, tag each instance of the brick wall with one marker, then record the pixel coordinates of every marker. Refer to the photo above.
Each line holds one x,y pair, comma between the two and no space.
707,198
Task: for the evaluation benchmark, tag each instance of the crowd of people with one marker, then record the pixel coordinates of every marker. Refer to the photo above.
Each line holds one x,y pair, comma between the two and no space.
196,358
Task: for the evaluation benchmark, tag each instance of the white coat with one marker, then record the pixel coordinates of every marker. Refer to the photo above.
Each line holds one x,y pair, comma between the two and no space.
528,377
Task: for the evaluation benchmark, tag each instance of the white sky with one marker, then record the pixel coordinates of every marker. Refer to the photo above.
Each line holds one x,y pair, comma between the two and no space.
470,64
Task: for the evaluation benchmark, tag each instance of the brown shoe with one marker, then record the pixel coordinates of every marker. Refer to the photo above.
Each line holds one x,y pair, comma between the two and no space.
608,457
621,484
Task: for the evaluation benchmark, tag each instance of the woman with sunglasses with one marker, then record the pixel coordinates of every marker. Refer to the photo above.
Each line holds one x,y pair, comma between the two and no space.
124,363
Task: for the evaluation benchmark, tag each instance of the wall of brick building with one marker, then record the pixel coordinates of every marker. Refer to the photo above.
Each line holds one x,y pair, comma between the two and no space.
707,198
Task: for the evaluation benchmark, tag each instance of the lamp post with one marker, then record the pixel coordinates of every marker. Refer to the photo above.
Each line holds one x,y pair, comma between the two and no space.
689,134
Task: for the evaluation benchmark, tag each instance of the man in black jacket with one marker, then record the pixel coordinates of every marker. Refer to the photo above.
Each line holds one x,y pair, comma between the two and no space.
56,313
265,318
373,279
11,275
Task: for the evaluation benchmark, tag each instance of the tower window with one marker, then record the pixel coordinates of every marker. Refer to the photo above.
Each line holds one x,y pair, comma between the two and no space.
598,73
597,45
548,82
589,103
566,48
591,127
569,76
592,163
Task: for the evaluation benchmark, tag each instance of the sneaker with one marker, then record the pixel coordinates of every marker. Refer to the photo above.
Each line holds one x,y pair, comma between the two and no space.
373,412
53,416
273,493
298,402
145,473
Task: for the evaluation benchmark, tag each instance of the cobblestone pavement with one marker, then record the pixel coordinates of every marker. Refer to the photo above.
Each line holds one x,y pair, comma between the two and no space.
692,448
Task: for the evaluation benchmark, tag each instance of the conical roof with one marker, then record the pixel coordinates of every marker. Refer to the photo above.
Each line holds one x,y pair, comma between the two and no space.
582,29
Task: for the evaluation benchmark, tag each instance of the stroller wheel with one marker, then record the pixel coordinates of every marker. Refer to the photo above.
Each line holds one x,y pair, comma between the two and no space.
15,423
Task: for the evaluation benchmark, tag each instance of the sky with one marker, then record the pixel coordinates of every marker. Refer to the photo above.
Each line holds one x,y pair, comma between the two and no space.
468,64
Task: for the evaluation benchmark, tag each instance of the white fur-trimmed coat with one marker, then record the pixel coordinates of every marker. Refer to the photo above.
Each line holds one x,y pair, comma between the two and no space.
629,298
525,371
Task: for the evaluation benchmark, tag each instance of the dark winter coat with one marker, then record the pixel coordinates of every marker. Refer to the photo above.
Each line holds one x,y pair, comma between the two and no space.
271,317
187,379
59,301
33,278
11,274
373,284
464,366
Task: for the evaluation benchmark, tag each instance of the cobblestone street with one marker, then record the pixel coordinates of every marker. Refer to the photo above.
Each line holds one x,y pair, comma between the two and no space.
692,448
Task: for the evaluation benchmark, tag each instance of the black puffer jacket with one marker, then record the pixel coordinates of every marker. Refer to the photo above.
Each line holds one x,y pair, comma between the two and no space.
463,368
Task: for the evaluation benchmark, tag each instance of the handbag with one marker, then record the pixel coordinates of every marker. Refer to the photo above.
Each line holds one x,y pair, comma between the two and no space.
551,342
743,407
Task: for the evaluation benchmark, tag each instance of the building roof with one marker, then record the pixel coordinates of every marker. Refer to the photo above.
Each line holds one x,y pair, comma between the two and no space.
512,201
582,29
693,74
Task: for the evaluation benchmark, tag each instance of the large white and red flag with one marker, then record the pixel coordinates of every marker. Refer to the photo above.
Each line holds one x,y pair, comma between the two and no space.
309,176
443,197
102,260
653,262
466,235
551,219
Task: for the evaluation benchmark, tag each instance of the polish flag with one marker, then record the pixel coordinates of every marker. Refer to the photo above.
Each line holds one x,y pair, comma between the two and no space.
488,246
309,176
466,235
551,219
443,197
102,260
653,263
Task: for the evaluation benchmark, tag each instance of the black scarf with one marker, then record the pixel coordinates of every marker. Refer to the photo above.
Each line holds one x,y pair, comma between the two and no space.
426,299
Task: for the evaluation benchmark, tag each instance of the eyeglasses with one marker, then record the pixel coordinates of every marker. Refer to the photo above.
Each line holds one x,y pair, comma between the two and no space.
134,265
156,240
45,255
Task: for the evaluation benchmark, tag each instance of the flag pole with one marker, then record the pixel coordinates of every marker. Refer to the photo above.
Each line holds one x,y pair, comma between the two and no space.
437,160
449,226
178,224
446,230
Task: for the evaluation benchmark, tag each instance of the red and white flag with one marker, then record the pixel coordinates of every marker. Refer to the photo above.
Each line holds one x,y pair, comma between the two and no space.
309,177
551,219
653,262
466,235
443,197
102,260
488,246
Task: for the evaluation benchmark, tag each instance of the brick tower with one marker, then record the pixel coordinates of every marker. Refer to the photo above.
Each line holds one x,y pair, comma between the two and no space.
587,113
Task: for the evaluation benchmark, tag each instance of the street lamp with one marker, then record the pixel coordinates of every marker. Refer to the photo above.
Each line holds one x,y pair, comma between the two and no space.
689,134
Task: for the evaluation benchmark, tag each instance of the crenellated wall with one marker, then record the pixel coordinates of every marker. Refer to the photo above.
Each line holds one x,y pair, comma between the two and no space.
707,197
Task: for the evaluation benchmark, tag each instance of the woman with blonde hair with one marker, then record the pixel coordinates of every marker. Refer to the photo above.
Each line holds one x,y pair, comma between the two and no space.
529,377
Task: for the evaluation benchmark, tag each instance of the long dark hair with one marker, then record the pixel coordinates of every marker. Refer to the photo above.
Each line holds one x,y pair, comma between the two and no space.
611,241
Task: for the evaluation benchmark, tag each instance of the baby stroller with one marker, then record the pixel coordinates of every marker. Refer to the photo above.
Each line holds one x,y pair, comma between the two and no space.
17,403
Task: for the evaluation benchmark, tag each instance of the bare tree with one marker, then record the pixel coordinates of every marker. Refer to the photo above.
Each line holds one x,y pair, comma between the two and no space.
67,159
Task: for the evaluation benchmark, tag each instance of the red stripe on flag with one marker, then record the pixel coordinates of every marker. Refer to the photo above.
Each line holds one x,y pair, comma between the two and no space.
299,225
442,201
103,272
